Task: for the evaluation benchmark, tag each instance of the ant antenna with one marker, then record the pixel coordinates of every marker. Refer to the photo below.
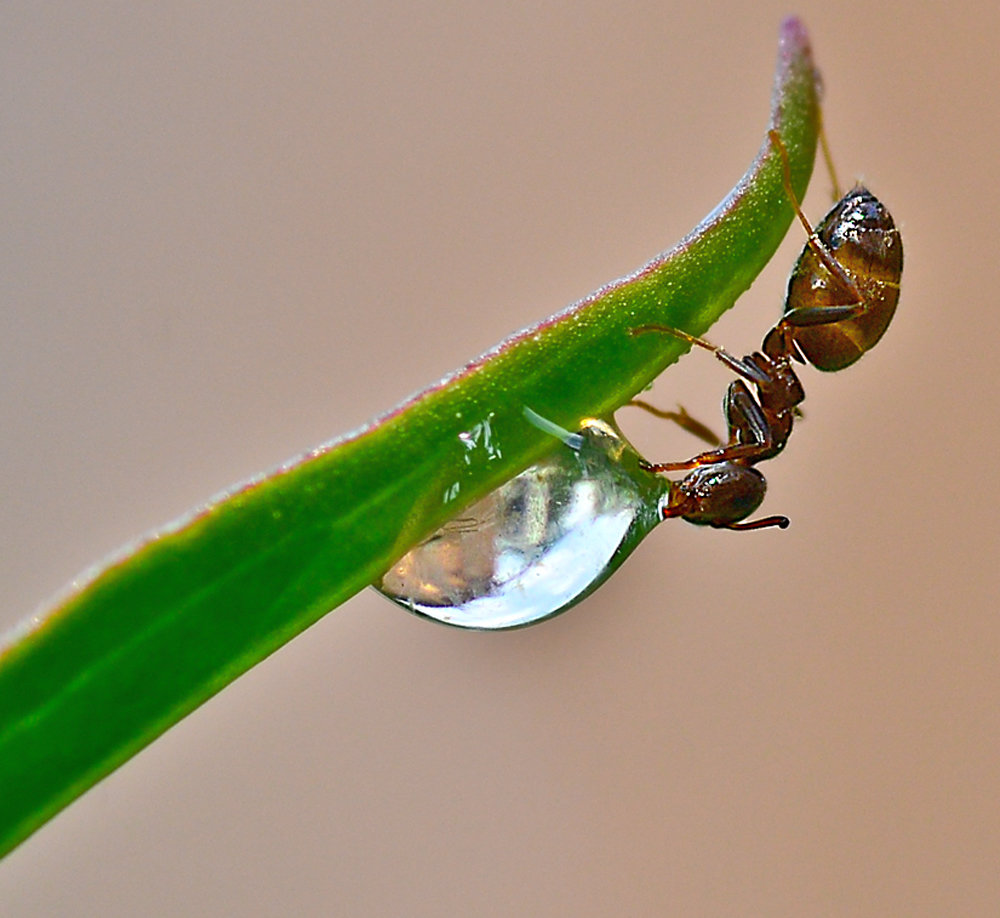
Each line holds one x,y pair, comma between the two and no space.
782,522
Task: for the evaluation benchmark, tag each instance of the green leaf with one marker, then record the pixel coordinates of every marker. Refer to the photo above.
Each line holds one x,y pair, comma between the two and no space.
158,630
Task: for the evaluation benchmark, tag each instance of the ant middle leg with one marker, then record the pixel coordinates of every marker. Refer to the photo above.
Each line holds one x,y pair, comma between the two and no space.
744,367
682,419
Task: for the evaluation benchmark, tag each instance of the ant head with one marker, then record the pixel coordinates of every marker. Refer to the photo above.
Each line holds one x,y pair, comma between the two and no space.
717,494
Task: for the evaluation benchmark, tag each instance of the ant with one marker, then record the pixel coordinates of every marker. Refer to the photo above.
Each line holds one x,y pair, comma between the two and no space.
841,296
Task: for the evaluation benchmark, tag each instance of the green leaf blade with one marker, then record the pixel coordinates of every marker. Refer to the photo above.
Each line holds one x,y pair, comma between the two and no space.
160,629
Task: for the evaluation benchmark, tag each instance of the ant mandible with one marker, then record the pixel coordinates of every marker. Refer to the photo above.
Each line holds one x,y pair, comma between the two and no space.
841,296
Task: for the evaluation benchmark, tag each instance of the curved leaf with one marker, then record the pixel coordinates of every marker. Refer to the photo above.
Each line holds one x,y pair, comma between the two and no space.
154,633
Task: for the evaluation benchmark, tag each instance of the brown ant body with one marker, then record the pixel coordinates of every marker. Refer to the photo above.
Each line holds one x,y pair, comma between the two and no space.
841,296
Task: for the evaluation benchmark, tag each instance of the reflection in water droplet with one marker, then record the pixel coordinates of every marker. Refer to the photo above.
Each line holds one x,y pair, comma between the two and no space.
537,544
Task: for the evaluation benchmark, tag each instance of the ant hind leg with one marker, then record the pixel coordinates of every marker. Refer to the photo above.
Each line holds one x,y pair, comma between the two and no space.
818,315
828,159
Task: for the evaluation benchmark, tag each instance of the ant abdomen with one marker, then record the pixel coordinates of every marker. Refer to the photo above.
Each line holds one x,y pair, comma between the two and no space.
860,235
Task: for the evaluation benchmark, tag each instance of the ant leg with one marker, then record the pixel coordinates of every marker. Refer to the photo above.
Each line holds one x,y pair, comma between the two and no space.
751,437
677,333
748,425
743,368
828,159
815,243
682,419
818,315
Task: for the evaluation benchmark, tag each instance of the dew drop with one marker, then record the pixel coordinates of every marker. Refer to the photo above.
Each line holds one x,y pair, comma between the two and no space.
539,543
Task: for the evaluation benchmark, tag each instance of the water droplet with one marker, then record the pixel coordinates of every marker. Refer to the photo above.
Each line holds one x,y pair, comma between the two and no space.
537,544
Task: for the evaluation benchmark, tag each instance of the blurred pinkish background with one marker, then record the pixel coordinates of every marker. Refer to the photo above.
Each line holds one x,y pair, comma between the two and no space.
232,231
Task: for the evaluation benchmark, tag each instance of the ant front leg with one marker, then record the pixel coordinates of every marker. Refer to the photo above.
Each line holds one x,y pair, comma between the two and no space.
752,437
